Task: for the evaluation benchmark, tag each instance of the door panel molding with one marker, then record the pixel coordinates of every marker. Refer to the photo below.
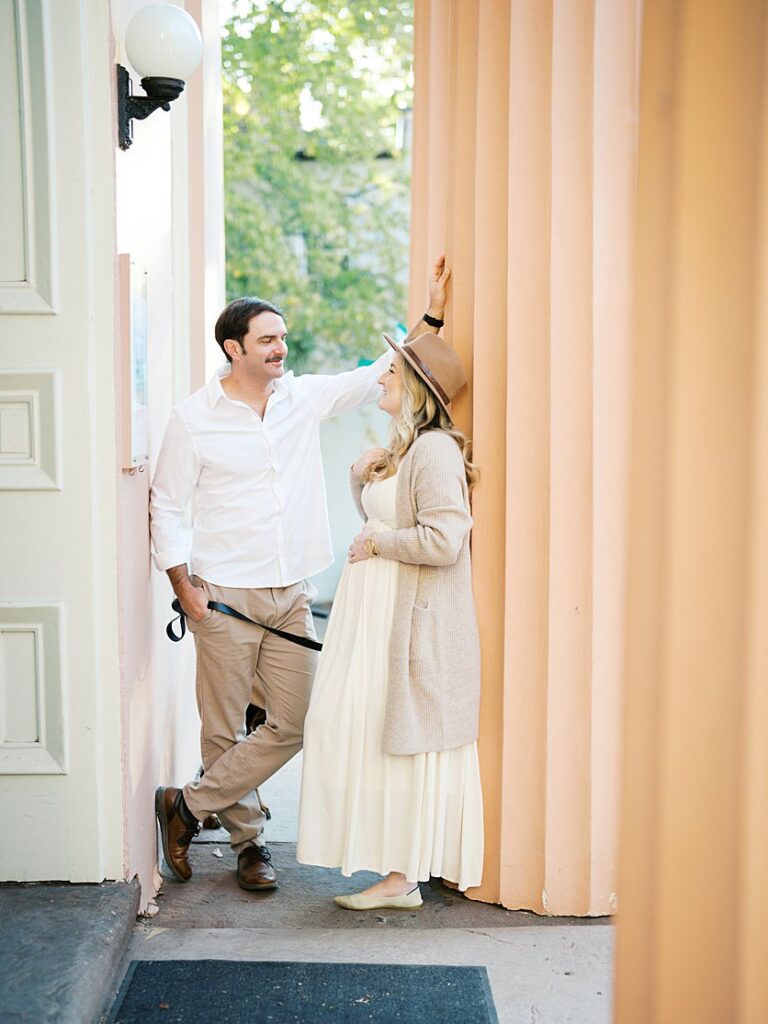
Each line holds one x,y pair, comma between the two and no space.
33,735
27,278
29,431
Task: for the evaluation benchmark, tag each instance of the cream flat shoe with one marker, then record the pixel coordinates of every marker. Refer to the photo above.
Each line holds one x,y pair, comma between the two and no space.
357,901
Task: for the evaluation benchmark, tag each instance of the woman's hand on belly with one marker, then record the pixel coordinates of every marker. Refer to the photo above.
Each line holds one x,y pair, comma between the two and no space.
357,552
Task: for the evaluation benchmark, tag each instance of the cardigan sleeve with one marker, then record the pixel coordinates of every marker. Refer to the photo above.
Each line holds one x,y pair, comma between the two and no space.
442,516
356,486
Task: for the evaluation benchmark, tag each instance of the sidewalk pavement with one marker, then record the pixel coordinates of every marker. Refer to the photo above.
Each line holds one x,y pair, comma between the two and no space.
65,948
542,970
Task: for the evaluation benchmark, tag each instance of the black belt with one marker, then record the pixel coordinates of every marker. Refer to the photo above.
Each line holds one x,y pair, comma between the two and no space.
217,606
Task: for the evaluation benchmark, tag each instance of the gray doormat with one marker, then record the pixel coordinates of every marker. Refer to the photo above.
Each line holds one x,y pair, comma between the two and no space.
244,992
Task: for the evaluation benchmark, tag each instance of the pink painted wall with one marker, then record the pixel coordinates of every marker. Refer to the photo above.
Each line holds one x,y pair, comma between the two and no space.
162,214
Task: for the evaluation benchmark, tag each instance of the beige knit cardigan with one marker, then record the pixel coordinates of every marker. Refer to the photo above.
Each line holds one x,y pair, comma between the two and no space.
433,696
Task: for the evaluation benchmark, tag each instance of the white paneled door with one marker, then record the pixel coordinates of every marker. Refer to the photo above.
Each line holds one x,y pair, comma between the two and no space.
60,748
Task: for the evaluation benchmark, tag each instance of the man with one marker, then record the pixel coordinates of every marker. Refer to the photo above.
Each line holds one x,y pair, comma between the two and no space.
245,449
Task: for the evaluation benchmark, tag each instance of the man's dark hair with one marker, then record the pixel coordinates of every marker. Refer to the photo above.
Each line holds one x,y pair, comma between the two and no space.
234,319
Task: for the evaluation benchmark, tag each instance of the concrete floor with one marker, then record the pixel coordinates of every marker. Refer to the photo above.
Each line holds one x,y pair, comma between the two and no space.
542,970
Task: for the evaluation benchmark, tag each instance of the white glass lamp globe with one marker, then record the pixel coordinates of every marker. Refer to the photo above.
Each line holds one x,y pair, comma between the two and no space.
163,41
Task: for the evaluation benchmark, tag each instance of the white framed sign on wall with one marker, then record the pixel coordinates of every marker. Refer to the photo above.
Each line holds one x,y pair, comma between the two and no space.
133,359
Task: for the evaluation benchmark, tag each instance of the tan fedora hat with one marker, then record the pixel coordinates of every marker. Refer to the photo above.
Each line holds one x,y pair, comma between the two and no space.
436,363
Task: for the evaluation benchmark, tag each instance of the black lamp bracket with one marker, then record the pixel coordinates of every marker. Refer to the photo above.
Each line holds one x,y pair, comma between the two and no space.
160,93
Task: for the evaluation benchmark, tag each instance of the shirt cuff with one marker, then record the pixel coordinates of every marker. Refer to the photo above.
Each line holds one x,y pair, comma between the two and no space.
169,558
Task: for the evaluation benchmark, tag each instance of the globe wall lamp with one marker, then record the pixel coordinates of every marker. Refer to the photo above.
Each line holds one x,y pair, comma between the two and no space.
164,46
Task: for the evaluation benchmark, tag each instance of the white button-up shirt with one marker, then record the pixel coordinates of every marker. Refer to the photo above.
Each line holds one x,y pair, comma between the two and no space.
259,511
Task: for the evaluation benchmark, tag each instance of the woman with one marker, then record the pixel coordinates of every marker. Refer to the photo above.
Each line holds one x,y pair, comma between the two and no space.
391,782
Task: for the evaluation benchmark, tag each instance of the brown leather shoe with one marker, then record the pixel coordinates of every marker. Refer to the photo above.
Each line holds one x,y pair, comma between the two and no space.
178,827
254,869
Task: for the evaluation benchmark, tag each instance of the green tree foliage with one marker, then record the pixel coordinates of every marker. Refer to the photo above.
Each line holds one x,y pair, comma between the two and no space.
317,219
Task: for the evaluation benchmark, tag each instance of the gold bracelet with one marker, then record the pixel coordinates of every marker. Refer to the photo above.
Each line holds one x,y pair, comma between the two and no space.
370,547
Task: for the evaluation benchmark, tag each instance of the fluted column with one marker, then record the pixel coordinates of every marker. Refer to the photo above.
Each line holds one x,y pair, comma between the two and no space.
532,170
694,896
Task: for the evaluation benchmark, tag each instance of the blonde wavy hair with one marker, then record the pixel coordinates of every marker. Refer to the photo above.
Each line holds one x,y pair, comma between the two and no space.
419,411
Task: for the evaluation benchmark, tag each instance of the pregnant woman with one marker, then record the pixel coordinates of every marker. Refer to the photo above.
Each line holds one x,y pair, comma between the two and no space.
391,782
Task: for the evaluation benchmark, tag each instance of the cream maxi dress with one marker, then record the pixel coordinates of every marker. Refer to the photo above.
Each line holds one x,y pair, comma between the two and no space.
362,809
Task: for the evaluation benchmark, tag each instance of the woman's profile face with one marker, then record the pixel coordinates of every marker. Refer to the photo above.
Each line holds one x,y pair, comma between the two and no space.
392,387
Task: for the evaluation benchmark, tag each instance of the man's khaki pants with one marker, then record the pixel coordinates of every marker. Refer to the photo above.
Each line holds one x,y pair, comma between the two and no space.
238,664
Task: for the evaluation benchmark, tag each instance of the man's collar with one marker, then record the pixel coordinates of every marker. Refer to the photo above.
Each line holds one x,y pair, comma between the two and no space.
216,391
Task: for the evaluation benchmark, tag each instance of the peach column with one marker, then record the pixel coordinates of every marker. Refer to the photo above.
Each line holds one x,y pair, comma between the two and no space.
526,627
752,979
536,181
615,142
461,173
489,385
419,254
691,940
753,897
568,805
431,128
443,178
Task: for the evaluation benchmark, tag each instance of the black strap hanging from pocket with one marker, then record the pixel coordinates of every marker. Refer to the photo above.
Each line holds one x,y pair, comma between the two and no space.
217,606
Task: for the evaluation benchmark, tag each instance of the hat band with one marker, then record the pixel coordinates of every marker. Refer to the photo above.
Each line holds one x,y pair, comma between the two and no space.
428,374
